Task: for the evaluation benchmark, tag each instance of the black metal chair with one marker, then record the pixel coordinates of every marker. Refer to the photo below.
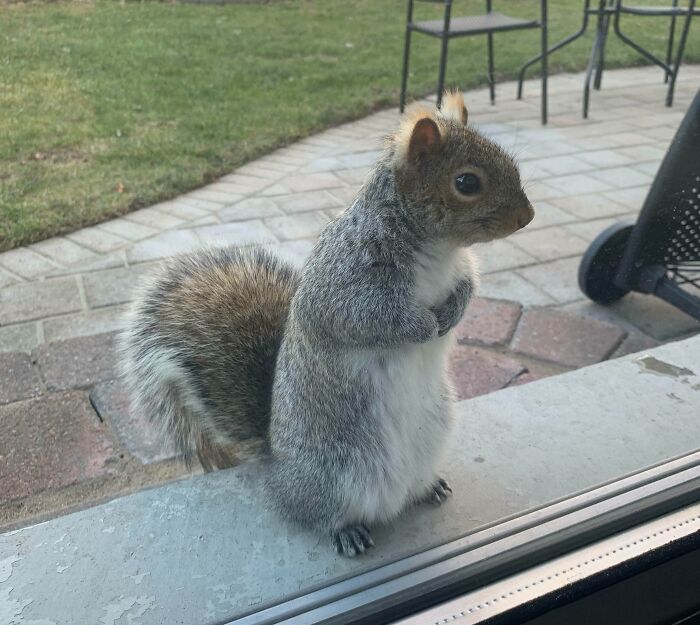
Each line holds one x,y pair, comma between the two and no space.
487,24
660,254
607,10
602,11
672,65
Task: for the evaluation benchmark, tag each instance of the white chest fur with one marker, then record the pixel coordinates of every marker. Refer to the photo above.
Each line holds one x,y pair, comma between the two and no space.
413,405
437,271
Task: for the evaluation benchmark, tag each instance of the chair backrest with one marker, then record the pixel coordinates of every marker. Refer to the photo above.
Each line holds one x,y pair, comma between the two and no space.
668,229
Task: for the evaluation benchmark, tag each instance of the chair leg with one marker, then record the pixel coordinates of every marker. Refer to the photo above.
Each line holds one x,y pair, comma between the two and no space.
492,84
587,91
632,44
404,74
679,54
554,48
671,36
601,56
443,67
589,72
545,68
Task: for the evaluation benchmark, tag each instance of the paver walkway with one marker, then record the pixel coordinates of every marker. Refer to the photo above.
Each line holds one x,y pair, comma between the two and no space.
62,299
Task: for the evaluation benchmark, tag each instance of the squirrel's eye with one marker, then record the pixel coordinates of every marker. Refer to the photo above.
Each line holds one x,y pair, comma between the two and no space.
468,184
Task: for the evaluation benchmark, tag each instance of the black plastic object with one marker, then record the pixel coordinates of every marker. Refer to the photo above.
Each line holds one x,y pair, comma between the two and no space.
600,262
661,255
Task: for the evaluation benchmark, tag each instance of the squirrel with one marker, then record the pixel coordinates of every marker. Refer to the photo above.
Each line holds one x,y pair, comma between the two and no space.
337,374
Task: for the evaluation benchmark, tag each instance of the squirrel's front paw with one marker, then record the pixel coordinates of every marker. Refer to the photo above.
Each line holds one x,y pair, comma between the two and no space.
423,327
439,491
449,313
352,540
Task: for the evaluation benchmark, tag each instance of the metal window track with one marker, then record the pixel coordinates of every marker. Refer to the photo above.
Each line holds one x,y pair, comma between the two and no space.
548,581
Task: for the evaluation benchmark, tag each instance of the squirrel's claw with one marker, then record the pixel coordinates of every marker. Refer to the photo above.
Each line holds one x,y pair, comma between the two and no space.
439,491
352,540
445,485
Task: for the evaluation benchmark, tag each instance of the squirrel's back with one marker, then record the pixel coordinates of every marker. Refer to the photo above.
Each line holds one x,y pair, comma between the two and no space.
200,348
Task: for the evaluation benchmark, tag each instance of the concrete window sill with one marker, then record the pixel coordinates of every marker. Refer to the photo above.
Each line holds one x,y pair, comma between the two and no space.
207,549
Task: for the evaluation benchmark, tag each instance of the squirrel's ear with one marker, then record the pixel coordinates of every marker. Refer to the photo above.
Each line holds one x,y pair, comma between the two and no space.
453,107
419,135
425,140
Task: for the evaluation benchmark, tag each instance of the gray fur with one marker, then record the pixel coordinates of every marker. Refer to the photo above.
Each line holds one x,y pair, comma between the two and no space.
343,369
199,351
356,295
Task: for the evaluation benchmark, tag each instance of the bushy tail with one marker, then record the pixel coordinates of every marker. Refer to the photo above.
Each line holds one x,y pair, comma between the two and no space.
200,346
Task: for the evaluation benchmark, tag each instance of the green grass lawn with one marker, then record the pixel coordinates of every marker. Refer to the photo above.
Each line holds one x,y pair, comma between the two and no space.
106,107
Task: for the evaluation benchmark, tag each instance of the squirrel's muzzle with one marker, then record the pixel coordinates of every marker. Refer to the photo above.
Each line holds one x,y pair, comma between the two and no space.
525,216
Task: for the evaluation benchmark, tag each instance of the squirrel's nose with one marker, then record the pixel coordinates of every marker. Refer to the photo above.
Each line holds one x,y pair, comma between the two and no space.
525,216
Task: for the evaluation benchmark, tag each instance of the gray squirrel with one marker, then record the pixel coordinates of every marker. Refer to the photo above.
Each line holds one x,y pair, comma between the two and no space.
335,374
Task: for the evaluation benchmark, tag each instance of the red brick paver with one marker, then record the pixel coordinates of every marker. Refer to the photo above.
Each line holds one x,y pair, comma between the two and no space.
18,378
477,371
135,432
488,321
50,442
565,339
77,363
529,376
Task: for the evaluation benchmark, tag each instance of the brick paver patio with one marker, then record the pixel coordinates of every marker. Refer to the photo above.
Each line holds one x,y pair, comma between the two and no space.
66,436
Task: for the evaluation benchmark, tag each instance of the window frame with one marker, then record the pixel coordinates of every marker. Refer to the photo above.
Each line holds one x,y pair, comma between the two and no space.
494,551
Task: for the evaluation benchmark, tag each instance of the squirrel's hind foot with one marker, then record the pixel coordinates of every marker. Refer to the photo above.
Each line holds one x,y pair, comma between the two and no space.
439,492
352,540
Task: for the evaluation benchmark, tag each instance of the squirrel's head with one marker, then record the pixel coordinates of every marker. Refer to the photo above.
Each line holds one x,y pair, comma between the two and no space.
468,187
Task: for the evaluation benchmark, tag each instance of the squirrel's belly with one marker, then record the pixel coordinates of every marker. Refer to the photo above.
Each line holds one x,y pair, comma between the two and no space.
413,410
